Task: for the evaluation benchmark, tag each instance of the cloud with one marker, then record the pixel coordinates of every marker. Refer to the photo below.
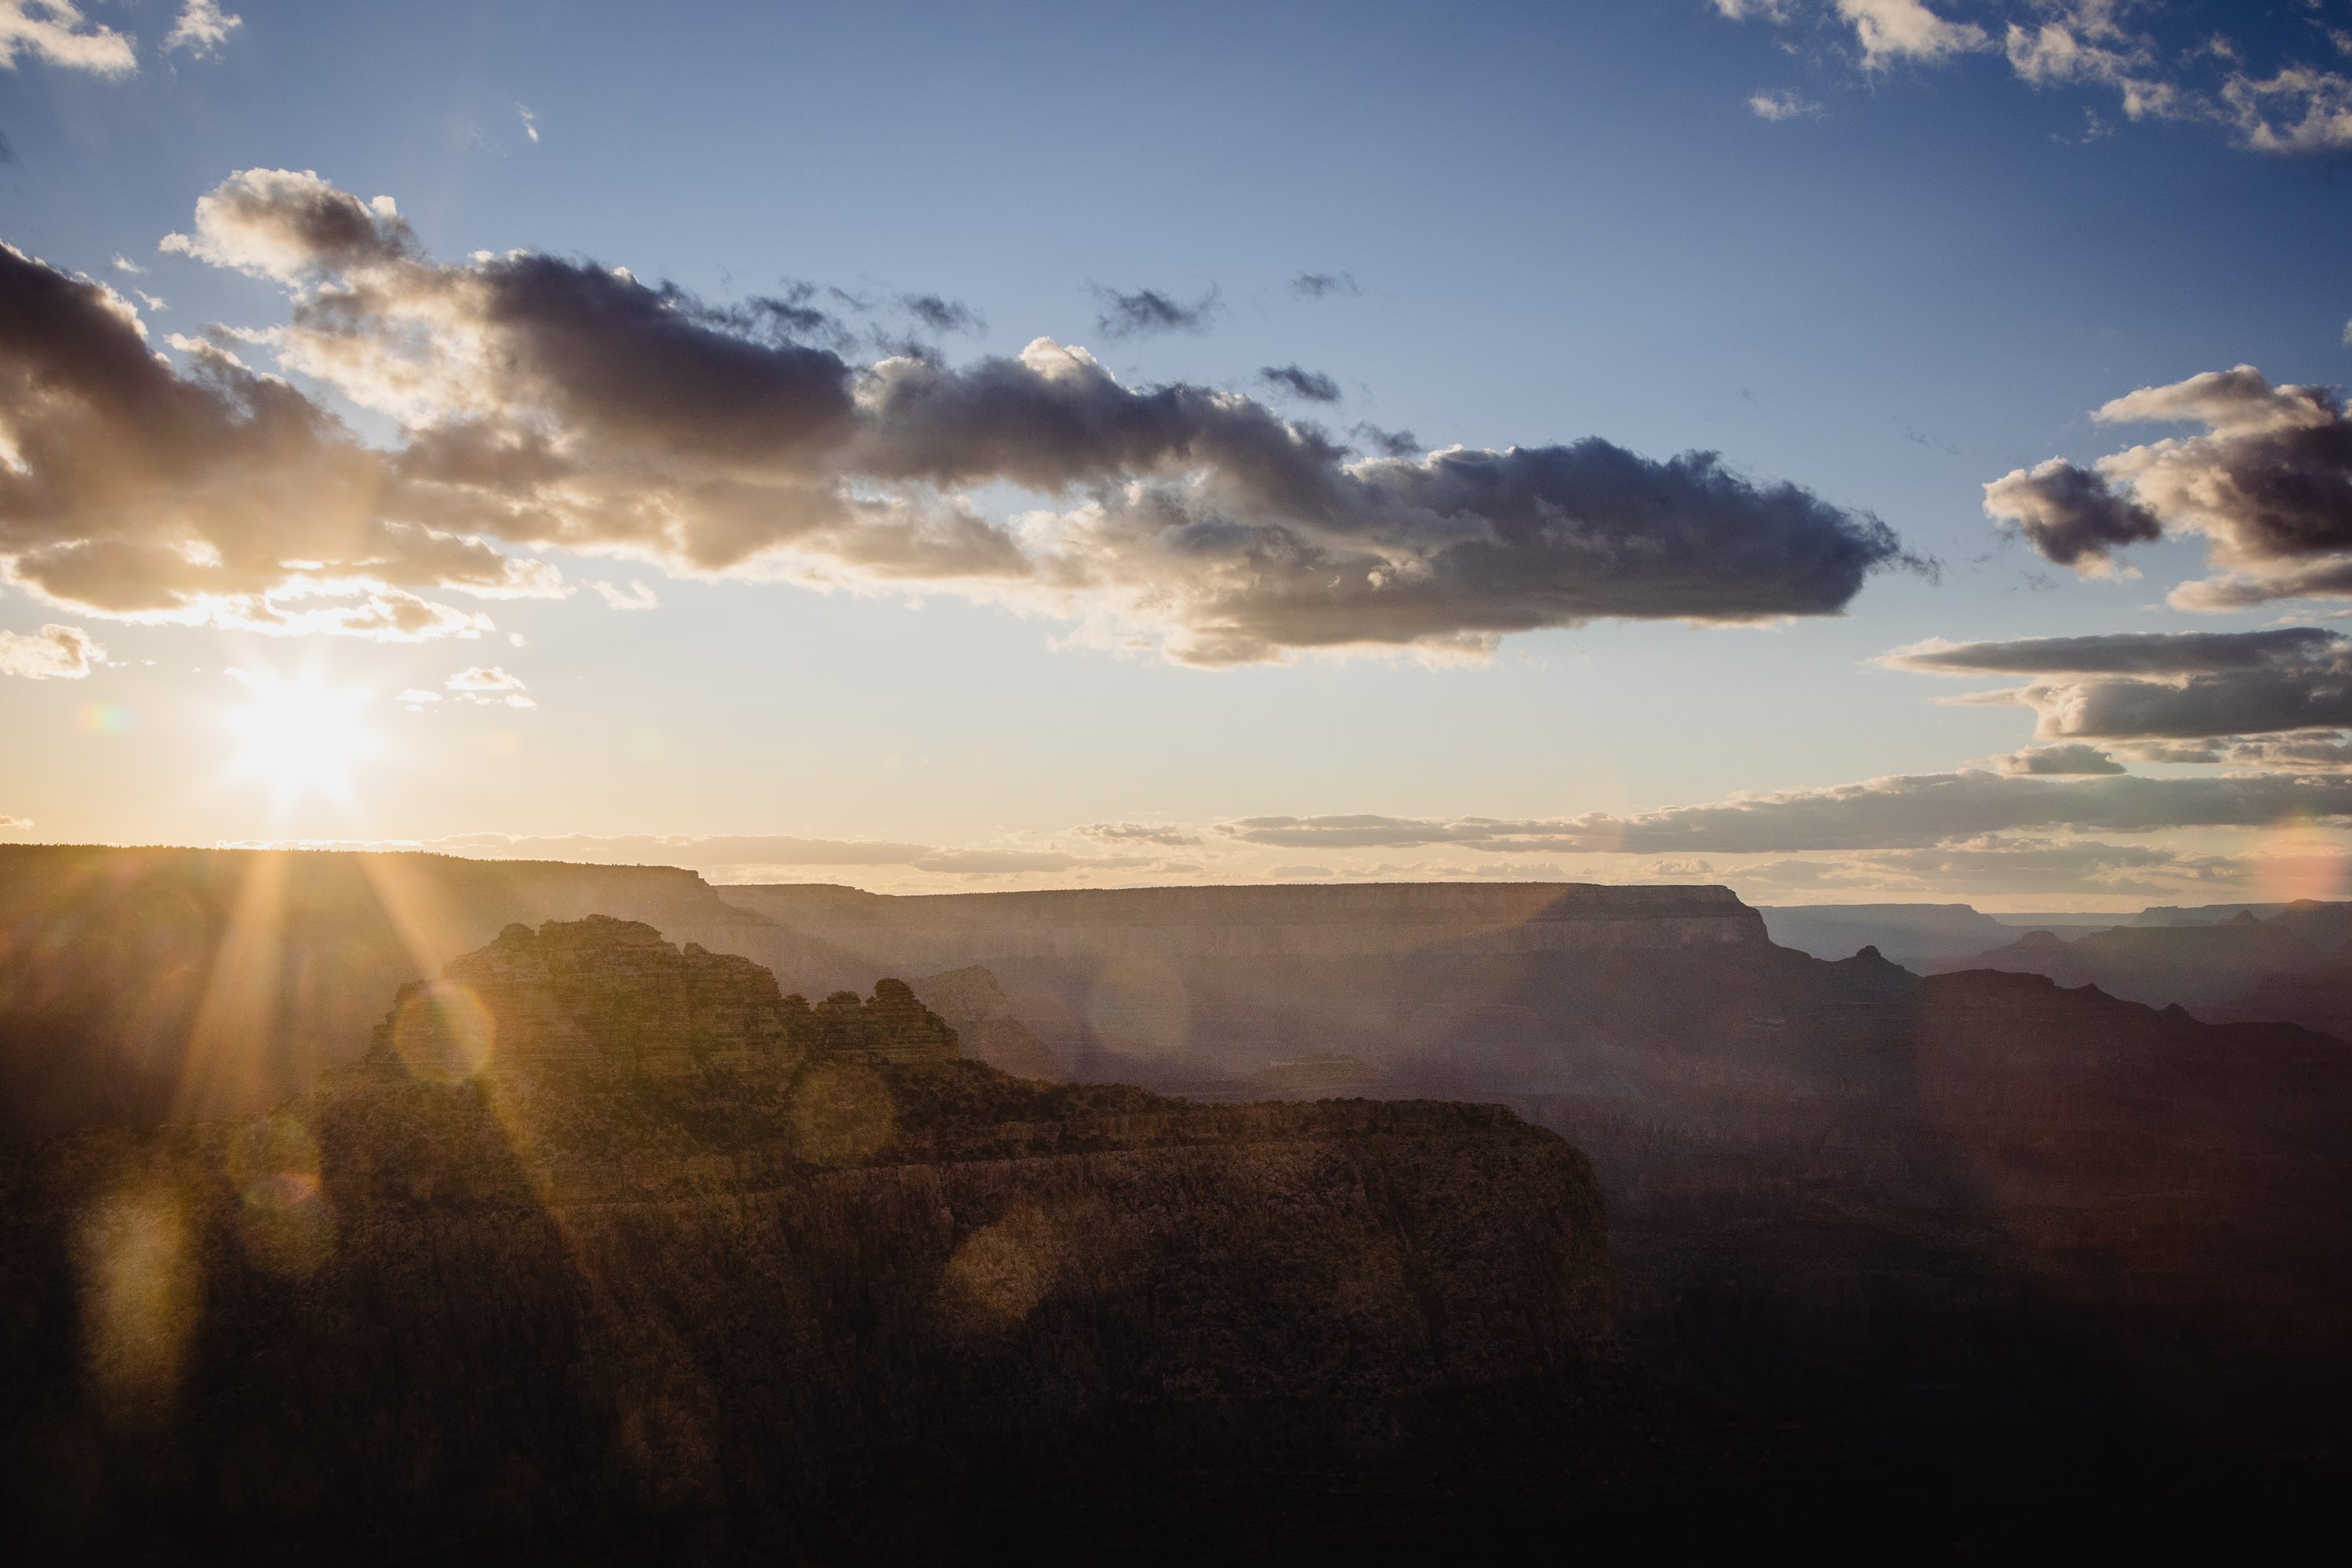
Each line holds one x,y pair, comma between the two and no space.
1891,30
1310,384
2268,484
2125,653
638,598
1323,285
942,315
201,29
57,33
1298,873
489,686
1139,832
1904,811
2071,757
1388,443
529,121
739,851
544,403
53,653
2298,109
1781,104
15,824
2165,686
2069,514
2009,865
1147,312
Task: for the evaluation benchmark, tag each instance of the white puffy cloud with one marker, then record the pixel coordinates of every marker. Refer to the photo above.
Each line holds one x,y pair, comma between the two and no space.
57,32
202,28
53,653
1891,30
2292,106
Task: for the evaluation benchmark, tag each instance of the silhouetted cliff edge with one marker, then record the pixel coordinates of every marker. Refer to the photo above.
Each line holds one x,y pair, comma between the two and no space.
608,1248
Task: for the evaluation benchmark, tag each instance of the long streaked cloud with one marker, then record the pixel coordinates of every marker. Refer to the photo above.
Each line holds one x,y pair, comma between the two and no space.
2164,686
736,852
2013,865
2268,485
555,404
1902,812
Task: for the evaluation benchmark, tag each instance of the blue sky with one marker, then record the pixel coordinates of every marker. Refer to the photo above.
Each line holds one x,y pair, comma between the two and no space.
1555,221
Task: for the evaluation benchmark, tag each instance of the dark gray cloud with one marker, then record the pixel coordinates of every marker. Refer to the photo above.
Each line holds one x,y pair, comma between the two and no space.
2268,484
1906,811
2158,686
545,402
2125,653
942,314
1387,443
2069,514
1323,285
1147,312
1310,384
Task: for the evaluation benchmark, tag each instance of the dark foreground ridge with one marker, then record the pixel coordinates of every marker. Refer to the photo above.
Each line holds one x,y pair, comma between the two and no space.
608,1250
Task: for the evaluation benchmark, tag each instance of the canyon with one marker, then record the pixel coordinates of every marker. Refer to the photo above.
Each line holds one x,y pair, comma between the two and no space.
1983,1222
607,1248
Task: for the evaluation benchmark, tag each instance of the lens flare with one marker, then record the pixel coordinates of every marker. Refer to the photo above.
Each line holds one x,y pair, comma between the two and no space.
2300,860
299,738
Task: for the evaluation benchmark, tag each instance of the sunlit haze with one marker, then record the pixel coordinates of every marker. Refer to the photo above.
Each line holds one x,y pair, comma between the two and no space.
1633,444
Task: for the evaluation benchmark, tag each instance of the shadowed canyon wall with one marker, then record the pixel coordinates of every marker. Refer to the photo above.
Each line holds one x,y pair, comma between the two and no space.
670,1264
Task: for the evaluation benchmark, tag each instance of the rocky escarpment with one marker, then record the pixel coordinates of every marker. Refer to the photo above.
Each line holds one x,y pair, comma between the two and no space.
660,1264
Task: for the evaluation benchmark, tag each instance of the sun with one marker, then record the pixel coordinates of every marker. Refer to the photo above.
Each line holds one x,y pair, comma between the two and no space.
299,738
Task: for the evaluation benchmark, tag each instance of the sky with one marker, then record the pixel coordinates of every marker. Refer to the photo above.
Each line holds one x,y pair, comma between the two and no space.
1849,449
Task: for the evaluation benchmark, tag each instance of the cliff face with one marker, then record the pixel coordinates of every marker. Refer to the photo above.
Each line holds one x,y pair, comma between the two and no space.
662,1261
139,984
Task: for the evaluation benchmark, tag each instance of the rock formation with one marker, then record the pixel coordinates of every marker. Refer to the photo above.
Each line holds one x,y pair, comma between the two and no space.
671,1269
